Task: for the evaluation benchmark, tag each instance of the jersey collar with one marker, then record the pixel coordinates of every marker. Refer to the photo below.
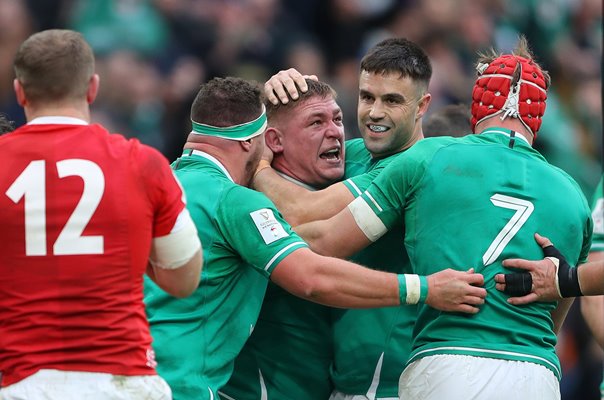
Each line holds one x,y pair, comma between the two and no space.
57,120
506,132
212,159
297,182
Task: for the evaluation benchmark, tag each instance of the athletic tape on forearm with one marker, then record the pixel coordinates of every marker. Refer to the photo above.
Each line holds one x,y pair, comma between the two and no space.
412,288
567,277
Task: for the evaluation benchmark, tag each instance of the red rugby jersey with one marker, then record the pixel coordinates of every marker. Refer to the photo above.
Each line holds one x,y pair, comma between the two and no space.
78,210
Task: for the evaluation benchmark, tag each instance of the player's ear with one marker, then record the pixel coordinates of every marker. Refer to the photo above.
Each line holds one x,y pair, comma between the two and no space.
247,144
424,103
93,88
19,93
274,140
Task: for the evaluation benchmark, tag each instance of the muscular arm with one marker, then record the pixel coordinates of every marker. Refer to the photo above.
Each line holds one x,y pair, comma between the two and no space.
176,259
181,281
340,283
335,282
560,312
338,236
299,205
591,277
592,308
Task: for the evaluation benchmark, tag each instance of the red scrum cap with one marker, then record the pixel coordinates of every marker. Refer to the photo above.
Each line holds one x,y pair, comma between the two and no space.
510,86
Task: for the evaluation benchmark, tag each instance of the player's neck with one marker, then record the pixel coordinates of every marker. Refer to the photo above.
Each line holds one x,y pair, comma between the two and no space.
508,123
82,113
226,154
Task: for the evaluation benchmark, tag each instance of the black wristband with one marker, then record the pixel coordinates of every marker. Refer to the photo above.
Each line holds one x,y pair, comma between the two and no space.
518,284
568,277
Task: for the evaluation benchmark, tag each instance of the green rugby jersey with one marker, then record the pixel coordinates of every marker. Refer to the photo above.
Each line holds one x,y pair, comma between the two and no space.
597,214
244,237
289,353
371,346
473,202
358,158
597,244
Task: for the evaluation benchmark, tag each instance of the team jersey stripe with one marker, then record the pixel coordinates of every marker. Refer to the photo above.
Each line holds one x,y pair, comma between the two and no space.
366,219
283,250
355,187
373,201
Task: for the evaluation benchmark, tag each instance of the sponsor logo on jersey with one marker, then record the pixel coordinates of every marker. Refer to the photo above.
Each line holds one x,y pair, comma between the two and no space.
270,229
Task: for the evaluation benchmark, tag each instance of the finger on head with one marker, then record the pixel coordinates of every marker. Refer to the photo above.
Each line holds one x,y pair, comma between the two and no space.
301,83
270,93
311,77
280,92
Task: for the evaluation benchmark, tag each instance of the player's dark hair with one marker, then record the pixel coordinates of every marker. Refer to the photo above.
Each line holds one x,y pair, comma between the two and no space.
226,102
398,55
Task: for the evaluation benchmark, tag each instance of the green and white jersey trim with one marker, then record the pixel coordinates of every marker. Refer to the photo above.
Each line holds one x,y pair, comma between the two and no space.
283,250
263,391
354,186
207,156
477,352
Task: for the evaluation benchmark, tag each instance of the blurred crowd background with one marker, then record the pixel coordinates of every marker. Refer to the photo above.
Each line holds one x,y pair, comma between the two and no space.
152,56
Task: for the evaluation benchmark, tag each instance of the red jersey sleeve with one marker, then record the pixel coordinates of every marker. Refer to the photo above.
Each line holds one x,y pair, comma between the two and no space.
163,189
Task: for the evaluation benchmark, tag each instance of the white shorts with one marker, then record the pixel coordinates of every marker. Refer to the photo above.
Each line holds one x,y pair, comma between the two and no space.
335,395
51,384
459,377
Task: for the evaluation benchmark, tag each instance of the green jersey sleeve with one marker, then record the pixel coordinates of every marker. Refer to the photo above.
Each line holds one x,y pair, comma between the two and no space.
255,229
357,158
598,217
387,196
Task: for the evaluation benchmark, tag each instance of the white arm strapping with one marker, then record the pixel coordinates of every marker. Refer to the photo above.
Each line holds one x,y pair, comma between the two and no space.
176,248
368,222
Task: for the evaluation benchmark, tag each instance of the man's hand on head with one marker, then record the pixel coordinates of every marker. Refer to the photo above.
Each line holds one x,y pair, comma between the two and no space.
276,89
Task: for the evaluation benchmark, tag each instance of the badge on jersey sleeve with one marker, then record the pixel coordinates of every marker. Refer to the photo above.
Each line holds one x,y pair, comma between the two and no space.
268,226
